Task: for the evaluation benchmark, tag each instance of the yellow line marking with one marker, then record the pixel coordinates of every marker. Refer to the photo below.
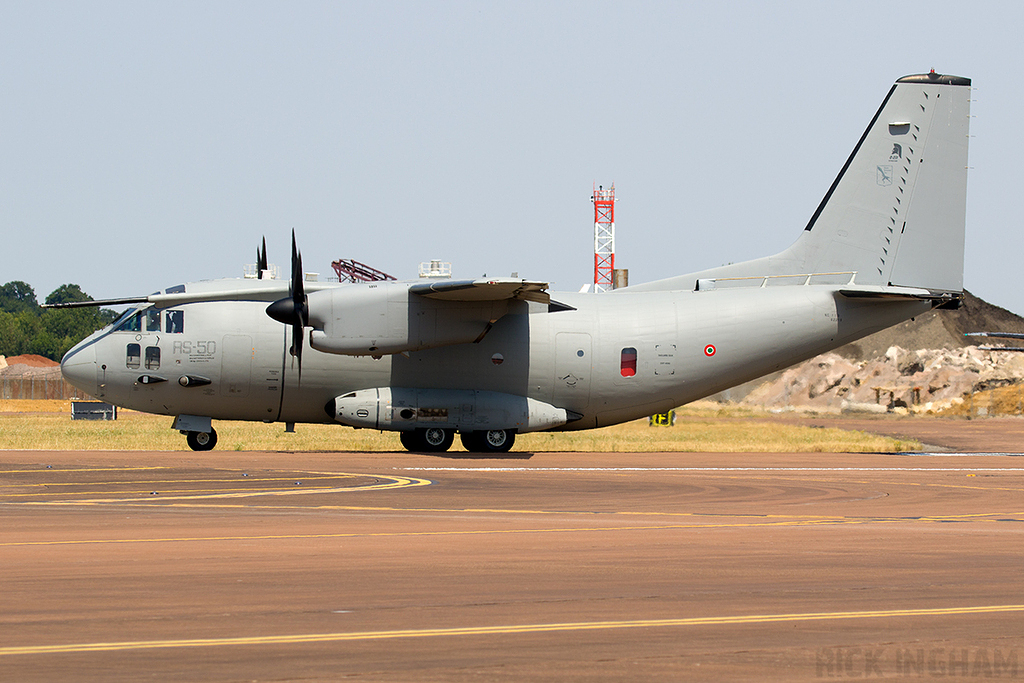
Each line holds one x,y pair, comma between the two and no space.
824,521
90,469
224,480
392,482
497,630
165,492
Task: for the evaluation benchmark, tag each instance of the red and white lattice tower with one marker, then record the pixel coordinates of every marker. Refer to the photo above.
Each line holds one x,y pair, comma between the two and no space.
604,238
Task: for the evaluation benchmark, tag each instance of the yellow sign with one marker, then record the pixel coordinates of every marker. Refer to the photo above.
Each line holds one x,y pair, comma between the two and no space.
664,419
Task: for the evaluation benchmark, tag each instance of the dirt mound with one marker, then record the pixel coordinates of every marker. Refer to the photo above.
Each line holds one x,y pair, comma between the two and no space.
32,360
29,366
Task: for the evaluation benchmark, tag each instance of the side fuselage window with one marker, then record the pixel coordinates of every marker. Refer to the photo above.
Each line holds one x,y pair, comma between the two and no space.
133,356
175,322
152,357
627,362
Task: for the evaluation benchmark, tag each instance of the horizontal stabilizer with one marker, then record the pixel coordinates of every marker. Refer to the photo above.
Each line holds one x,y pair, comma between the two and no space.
876,292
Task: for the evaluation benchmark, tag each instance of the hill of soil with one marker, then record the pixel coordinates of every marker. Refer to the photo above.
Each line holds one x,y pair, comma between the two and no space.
28,365
31,360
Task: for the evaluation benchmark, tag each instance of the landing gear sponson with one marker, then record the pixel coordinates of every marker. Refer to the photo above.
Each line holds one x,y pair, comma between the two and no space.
428,419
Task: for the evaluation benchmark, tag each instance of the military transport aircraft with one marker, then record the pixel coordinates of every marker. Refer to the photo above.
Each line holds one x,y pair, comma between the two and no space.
490,358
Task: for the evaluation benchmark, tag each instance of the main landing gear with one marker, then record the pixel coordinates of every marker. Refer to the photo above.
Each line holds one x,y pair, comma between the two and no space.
202,441
429,440
439,440
488,441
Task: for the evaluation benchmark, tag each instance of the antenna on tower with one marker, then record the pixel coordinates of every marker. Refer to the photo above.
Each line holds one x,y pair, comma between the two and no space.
604,238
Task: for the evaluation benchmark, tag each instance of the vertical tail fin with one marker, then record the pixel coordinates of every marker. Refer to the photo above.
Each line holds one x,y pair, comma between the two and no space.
895,213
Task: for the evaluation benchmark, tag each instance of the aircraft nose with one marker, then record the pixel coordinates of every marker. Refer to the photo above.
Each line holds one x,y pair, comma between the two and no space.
79,367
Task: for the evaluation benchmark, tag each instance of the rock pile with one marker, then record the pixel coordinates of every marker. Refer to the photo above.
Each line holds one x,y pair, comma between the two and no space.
925,380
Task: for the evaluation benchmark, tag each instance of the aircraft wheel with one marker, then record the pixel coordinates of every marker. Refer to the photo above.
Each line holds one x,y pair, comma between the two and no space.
490,441
498,440
429,440
202,441
436,439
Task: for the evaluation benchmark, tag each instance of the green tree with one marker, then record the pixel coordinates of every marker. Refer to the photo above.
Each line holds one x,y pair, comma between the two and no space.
26,328
12,337
18,332
17,296
67,293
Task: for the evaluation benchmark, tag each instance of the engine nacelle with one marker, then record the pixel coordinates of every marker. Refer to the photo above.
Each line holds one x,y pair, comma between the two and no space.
380,318
400,409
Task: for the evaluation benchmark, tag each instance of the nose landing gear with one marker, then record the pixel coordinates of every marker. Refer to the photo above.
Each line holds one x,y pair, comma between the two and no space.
202,441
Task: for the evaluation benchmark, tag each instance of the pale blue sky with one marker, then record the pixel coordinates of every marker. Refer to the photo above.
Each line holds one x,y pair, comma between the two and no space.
146,144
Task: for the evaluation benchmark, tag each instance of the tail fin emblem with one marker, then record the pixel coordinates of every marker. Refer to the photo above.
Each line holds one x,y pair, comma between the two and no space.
884,175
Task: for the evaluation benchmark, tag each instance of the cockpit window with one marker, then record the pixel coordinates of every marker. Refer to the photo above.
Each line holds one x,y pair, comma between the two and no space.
152,321
129,322
175,321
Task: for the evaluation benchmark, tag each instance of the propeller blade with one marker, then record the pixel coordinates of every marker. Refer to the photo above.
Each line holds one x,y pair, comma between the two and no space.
298,293
292,310
261,259
299,303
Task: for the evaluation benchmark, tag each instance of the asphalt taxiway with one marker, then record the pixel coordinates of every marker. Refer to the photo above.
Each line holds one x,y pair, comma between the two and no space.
568,567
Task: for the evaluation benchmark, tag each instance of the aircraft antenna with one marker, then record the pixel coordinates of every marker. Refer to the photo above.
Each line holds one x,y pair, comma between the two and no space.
604,237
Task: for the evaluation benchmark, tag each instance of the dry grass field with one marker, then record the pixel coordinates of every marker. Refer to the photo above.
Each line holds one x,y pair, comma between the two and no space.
47,425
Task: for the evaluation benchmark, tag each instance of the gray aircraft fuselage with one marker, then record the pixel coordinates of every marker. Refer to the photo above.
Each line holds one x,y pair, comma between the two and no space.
686,345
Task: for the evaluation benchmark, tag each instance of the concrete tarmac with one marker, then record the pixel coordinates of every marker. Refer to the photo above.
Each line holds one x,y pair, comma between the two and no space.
231,566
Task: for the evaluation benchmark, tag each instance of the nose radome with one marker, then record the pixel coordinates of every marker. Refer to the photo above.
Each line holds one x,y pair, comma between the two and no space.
79,368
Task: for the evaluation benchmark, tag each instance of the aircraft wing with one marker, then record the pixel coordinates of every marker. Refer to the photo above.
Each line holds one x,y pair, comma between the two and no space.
483,290
263,290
